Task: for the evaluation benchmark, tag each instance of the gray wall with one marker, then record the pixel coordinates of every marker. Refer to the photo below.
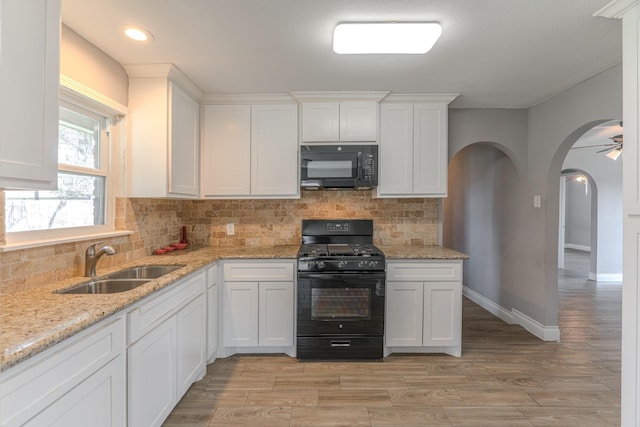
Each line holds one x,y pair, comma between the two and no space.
536,141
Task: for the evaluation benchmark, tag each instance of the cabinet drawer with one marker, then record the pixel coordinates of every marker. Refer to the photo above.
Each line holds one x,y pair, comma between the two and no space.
424,271
151,313
258,271
32,386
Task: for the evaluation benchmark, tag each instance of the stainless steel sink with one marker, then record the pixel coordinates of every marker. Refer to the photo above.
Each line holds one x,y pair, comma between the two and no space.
144,272
105,286
123,280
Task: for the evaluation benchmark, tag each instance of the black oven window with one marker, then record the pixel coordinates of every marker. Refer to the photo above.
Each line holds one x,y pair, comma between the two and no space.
344,303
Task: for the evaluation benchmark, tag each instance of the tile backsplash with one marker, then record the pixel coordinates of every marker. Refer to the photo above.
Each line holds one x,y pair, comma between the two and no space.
157,222
277,222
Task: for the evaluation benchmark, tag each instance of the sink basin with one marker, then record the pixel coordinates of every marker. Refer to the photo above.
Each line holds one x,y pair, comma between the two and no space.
123,280
105,286
144,272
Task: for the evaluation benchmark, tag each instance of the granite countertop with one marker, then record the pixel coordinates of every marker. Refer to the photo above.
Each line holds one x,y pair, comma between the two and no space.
32,321
420,252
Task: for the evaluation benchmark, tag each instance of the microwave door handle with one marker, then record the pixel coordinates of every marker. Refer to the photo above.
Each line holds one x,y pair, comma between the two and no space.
359,166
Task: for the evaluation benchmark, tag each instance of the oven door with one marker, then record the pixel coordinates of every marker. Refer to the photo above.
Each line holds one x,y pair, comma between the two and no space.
339,303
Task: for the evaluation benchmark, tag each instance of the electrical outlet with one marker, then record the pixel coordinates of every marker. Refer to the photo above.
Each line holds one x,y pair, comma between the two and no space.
231,229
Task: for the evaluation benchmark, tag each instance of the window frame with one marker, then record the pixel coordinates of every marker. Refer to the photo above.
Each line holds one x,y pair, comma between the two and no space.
78,97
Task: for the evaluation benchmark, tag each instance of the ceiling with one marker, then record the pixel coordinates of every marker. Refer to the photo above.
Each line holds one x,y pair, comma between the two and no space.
494,53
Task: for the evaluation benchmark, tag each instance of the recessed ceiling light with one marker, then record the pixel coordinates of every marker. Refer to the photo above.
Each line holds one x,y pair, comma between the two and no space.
137,34
386,37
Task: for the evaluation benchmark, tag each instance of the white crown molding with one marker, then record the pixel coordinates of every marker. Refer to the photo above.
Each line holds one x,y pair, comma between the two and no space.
617,8
421,97
168,71
76,90
248,98
340,95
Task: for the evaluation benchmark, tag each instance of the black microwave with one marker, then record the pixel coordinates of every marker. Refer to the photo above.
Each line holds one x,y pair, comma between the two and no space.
347,166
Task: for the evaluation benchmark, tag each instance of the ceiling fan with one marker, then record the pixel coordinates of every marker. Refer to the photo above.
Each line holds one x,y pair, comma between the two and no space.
613,149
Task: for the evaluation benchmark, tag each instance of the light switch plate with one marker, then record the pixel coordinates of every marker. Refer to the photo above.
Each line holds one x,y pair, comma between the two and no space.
536,201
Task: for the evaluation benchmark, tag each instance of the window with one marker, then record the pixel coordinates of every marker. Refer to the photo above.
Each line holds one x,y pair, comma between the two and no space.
82,203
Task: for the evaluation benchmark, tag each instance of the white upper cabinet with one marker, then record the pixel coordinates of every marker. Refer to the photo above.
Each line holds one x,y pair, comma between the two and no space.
414,148
164,121
320,121
250,151
339,116
29,80
226,150
347,121
274,150
358,121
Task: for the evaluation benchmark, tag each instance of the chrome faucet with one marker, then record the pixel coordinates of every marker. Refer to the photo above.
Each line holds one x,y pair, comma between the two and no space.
91,258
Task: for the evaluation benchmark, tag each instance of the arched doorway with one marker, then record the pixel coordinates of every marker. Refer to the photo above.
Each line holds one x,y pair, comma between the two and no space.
587,157
578,222
479,218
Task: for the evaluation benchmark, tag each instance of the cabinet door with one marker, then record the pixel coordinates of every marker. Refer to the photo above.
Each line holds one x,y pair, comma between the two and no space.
226,150
358,121
274,150
403,318
442,313
276,314
396,149
430,158
152,376
320,121
240,314
191,341
29,80
183,130
97,401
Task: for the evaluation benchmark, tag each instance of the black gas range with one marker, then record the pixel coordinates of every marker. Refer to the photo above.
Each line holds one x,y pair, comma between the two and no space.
341,289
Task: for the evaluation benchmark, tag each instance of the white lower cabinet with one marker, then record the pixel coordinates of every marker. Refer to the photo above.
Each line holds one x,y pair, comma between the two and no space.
424,307
79,382
258,307
167,335
152,376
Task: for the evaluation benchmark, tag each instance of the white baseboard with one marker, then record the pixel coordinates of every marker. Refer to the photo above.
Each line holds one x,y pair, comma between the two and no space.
545,333
577,247
608,277
488,305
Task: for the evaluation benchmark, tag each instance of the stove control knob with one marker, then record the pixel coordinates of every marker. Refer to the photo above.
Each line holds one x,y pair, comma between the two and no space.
311,265
342,264
320,265
362,264
373,263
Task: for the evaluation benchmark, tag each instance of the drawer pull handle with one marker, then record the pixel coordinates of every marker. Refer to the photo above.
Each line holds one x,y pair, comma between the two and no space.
340,343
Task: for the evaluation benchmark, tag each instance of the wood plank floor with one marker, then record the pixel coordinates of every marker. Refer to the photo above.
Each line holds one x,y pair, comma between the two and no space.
505,377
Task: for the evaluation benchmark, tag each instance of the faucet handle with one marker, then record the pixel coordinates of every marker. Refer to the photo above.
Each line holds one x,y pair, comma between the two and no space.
91,250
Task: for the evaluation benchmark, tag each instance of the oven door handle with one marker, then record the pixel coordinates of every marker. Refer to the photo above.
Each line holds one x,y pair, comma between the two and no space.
342,343
343,276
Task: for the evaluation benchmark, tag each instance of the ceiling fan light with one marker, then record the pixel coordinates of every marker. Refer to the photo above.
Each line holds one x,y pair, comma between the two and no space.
614,154
385,37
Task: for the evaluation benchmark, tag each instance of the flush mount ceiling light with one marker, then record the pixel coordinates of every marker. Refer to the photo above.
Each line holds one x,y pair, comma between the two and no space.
385,37
137,34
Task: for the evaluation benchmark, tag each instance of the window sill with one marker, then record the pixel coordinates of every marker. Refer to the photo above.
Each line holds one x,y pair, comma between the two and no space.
55,241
